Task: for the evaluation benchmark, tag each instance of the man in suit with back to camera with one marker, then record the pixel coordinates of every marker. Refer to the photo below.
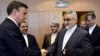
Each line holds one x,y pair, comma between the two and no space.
30,40
12,42
50,37
72,40
94,31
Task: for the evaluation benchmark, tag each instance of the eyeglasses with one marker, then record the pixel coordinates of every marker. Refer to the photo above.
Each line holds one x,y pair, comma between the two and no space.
53,26
67,19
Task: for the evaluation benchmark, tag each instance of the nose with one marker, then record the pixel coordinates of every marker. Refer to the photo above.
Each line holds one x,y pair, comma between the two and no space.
65,22
25,28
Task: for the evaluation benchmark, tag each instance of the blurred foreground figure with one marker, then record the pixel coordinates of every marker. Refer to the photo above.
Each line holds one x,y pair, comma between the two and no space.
12,42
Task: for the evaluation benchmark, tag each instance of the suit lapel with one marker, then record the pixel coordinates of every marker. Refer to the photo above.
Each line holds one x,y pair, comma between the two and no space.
95,30
50,38
72,38
61,38
29,40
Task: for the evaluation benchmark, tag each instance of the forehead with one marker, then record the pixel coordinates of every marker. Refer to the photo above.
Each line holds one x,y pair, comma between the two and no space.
89,17
53,25
22,9
83,22
67,15
24,24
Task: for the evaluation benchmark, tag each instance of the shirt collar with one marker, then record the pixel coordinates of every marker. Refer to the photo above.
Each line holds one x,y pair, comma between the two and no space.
24,34
54,33
73,28
92,27
13,20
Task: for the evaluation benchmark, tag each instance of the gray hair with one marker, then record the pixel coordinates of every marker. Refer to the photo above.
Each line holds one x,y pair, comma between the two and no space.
73,13
55,23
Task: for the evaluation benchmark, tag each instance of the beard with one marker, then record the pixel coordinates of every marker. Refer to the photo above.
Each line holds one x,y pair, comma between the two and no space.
68,26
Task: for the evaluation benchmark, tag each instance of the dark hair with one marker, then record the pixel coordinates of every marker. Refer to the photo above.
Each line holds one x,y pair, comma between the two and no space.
21,23
92,14
15,5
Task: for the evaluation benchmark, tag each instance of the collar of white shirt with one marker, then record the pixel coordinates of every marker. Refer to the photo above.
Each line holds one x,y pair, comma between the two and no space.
26,39
92,28
67,35
53,37
12,20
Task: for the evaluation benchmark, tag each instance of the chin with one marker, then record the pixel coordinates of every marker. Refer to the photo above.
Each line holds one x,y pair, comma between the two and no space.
67,27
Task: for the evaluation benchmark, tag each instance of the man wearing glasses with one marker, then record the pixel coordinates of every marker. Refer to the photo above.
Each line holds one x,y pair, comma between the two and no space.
72,40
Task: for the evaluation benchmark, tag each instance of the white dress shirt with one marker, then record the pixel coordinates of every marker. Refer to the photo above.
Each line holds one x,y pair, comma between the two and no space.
26,39
91,29
67,36
13,20
53,37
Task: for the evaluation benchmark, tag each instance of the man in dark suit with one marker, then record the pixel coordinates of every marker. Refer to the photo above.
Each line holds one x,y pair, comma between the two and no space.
50,37
11,40
71,41
30,40
94,31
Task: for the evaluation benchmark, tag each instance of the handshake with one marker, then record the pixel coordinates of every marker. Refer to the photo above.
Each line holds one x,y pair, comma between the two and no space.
44,52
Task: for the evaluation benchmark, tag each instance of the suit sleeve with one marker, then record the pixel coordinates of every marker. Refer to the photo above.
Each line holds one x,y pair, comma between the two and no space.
8,42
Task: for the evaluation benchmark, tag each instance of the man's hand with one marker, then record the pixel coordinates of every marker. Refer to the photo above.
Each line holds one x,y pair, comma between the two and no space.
64,52
43,52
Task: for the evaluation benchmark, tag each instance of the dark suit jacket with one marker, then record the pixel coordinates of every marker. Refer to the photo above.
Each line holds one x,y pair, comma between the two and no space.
47,41
33,45
95,40
11,40
78,44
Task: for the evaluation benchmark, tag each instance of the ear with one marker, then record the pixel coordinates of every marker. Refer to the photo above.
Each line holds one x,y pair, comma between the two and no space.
13,12
75,20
